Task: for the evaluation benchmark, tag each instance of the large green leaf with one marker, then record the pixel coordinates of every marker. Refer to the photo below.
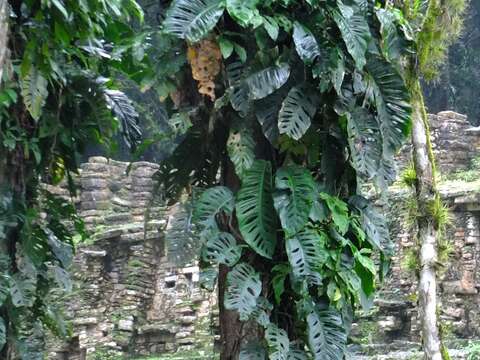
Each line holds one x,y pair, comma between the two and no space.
243,289
244,12
306,253
222,248
210,203
264,82
338,210
393,43
240,147
62,250
266,111
373,224
3,333
278,342
294,197
193,19
392,100
326,336
255,212
22,290
252,351
33,87
296,113
305,43
355,31
365,142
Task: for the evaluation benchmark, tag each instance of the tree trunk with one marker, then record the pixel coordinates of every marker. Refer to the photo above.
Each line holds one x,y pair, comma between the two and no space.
427,235
4,13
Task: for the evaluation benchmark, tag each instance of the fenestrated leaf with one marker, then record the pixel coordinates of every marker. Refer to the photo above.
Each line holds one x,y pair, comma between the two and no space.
373,224
365,142
278,342
255,212
266,111
305,43
240,146
22,290
33,87
252,351
4,288
3,333
326,336
306,254
208,278
193,19
211,202
393,103
294,197
355,31
244,12
243,289
262,311
295,116
222,248
266,81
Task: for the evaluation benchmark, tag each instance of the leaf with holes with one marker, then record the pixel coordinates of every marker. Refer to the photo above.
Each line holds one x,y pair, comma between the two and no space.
266,81
22,290
296,113
278,342
3,333
355,31
294,197
222,248
365,142
306,253
193,19
240,147
252,351
33,87
326,335
255,212
305,43
243,289
212,202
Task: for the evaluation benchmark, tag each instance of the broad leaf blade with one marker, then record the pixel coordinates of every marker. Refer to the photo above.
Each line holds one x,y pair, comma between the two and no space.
255,212
266,81
193,19
296,113
305,43
213,201
240,147
243,289
222,248
294,199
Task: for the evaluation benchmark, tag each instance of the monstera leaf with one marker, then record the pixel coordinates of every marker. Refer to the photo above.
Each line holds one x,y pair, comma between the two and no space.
326,335
393,103
305,43
252,351
211,202
355,31
294,197
278,342
266,81
266,111
193,19
364,140
240,147
295,116
244,12
243,289
373,223
222,248
22,290
306,254
255,212
3,333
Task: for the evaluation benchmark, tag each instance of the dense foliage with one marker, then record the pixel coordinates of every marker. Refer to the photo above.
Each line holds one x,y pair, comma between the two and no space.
297,104
57,95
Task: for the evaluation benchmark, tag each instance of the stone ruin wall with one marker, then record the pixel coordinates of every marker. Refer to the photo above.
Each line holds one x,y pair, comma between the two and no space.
129,299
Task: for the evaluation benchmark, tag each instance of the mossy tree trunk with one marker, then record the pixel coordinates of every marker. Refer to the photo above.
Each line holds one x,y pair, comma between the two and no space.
426,194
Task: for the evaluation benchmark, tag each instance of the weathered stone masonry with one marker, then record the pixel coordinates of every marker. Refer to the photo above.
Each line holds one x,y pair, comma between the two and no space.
131,300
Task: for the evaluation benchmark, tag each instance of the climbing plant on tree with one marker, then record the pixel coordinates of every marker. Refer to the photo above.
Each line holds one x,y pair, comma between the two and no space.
57,95
287,108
